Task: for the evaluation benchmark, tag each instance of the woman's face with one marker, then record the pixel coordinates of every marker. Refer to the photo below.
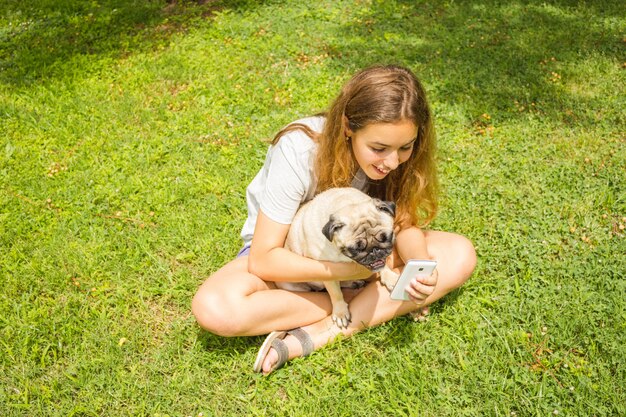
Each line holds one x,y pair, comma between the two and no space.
380,148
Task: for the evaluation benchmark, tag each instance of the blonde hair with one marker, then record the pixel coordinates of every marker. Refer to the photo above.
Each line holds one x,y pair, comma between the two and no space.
380,94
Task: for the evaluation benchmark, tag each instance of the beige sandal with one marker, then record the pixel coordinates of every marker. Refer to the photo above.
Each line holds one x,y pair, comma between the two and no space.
275,340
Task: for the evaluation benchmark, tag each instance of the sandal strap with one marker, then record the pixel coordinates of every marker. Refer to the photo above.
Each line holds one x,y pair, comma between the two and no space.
283,353
304,339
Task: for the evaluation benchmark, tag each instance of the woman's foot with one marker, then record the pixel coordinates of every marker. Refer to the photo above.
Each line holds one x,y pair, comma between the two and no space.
421,314
270,363
280,347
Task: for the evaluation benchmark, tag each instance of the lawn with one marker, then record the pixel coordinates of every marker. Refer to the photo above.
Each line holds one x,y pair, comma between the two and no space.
129,130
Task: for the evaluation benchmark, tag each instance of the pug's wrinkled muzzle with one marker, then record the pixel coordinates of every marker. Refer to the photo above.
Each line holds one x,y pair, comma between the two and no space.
375,259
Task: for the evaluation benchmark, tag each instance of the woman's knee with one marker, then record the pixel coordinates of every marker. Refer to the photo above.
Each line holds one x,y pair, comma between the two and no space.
465,259
457,256
216,314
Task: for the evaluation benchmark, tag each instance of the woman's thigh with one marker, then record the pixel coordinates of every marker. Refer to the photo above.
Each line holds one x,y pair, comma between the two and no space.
224,292
234,279
233,302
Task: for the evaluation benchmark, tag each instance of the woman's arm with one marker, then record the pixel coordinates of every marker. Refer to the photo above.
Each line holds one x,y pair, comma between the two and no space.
270,261
411,244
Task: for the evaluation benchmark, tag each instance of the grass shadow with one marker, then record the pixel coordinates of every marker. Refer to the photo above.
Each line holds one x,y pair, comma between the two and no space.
509,58
404,333
229,345
49,39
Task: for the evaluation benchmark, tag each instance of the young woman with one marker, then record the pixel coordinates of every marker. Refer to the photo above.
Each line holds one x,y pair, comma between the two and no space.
377,136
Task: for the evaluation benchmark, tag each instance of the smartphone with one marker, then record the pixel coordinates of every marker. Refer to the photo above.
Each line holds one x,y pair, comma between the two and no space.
413,268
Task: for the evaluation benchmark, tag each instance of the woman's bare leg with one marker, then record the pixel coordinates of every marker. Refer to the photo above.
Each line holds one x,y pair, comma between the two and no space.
233,302
456,261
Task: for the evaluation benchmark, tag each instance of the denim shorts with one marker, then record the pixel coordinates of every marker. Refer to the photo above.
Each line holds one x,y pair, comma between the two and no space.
245,251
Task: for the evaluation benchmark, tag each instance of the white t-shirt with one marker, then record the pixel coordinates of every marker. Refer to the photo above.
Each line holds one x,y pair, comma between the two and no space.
287,179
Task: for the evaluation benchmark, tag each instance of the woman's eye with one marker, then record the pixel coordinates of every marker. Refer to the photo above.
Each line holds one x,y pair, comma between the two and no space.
406,148
378,150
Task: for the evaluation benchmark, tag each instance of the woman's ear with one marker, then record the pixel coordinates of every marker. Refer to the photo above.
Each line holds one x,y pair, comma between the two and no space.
346,127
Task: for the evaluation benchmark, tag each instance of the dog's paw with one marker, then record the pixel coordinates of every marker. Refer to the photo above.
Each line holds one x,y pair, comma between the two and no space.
388,278
341,314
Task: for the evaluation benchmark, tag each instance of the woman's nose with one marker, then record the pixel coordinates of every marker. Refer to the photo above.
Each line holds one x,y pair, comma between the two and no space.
392,161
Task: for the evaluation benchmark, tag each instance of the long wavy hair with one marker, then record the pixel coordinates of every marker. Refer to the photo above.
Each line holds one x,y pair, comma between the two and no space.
380,94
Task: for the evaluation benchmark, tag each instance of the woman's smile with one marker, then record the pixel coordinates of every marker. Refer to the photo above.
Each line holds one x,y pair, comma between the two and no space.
379,148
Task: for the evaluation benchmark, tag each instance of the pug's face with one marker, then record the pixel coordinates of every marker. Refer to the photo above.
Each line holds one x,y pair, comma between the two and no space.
363,232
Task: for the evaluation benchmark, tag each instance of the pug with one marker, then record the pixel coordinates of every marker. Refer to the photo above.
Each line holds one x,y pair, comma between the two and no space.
342,225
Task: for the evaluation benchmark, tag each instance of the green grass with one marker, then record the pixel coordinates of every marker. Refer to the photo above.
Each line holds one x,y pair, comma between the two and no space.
130,130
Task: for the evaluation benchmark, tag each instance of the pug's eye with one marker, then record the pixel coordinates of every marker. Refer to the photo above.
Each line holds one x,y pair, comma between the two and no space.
383,237
361,245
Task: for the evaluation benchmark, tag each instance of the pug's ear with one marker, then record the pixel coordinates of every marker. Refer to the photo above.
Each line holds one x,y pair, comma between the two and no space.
331,227
388,207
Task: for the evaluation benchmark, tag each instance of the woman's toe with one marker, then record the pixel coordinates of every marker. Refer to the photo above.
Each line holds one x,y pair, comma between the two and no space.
270,360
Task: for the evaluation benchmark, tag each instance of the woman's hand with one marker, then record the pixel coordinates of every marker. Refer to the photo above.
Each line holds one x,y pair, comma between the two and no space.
421,287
